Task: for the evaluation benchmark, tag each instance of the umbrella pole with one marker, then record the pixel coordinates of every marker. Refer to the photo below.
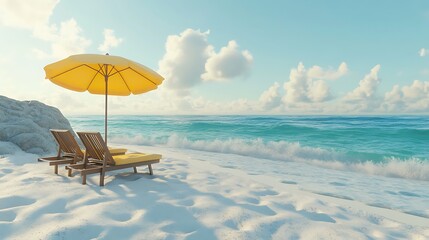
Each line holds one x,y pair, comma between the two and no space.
106,79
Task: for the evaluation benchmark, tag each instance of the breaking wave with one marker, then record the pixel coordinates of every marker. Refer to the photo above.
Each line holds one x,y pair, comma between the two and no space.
410,168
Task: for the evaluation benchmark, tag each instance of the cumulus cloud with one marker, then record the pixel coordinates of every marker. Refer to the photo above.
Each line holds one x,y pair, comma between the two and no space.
316,72
318,91
310,85
110,40
190,58
423,52
34,15
412,98
270,98
184,59
409,98
367,86
65,40
26,14
364,98
228,63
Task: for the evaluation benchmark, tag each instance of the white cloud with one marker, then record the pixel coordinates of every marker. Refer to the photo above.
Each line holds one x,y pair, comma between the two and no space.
296,87
110,40
184,59
423,52
34,16
189,58
393,100
270,98
26,14
417,90
367,87
228,63
318,91
64,41
302,86
317,72
364,98
413,98
410,98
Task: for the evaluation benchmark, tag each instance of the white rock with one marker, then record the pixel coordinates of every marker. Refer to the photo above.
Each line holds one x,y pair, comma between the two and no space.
26,124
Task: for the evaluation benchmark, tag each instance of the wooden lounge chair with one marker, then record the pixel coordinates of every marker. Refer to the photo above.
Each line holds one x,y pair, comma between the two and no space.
69,151
98,158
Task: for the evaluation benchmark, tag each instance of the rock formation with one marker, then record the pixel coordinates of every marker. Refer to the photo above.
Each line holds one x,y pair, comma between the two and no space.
26,124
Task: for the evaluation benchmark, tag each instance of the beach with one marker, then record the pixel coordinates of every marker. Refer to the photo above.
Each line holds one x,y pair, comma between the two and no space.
201,195
224,120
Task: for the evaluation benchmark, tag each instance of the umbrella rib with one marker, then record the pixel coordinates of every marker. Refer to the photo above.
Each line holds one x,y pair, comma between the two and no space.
113,67
123,79
101,69
119,71
74,69
92,80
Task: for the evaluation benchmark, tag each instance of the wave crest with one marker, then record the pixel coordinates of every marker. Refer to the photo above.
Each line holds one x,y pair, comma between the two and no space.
413,168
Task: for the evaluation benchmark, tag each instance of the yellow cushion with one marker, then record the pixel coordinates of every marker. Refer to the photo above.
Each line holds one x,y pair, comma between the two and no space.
113,151
135,157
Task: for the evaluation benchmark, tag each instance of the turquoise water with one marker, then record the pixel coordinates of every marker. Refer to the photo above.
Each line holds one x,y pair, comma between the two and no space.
348,140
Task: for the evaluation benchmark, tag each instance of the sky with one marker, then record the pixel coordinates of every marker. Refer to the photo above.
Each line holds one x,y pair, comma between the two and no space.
228,57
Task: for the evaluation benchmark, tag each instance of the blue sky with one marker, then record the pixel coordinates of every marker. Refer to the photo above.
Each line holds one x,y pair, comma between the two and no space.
228,57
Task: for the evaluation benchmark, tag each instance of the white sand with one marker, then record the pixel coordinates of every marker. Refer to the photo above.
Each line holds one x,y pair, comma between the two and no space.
200,195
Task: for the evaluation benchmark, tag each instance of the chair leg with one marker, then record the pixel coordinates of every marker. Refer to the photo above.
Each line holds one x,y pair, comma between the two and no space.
83,179
135,169
102,177
56,169
150,169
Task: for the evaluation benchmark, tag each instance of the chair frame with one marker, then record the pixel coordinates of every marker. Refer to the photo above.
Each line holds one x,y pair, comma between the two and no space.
69,151
98,158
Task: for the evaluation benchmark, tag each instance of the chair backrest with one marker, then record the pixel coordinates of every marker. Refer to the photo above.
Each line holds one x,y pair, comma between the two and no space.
96,147
67,143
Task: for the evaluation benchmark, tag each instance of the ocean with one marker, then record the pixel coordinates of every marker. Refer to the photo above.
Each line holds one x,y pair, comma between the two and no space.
393,146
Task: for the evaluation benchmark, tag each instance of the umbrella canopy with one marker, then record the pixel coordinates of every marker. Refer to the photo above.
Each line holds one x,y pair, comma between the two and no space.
103,74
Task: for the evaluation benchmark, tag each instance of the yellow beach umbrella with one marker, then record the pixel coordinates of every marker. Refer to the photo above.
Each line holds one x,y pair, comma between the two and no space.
103,74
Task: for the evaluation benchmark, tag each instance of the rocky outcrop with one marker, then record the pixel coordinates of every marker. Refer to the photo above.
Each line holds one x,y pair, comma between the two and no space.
26,124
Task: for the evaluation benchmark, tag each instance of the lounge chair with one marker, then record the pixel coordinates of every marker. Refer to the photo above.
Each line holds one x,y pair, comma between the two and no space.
99,159
69,151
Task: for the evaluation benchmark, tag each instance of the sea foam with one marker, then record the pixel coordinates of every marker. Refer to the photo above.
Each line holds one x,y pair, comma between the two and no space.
410,168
